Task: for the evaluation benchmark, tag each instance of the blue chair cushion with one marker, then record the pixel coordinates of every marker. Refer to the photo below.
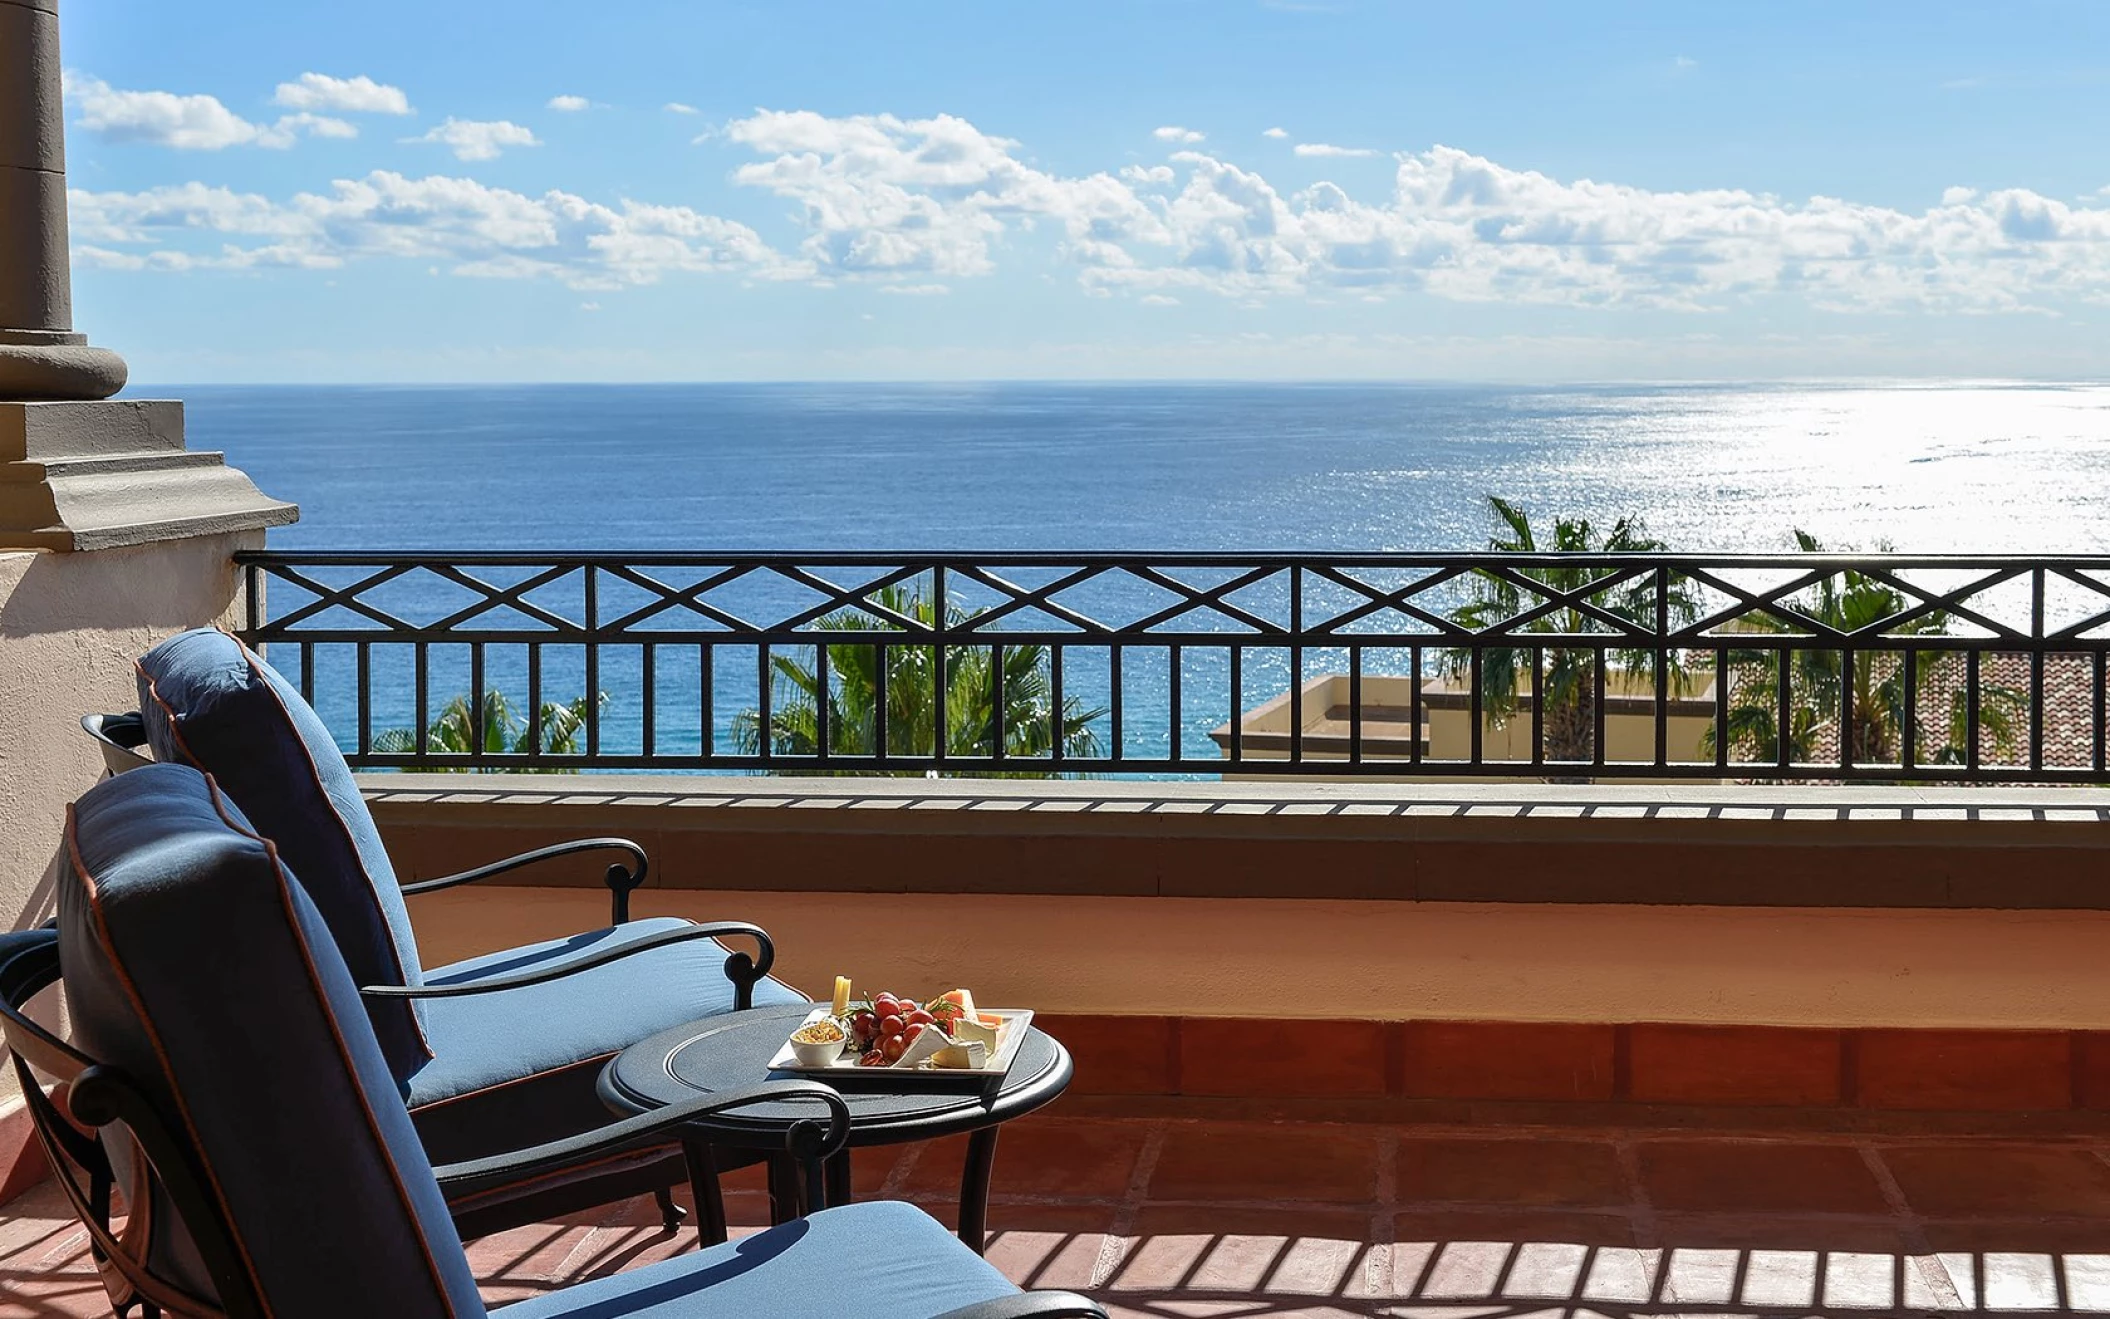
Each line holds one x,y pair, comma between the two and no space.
883,1260
208,701
195,963
518,1066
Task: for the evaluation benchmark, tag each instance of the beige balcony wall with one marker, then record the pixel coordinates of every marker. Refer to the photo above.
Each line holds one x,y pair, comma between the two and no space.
70,627
1799,906
1386,961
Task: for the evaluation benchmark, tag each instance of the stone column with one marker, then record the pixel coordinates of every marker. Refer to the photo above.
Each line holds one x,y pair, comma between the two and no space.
40,355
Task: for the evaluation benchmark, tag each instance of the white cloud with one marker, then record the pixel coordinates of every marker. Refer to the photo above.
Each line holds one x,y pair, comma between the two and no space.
882,195
911,204
1158,300
315,125
469,228
569,104
916,290
1684,64
1328,149
1277,133
360,95
478,139
186,123
678,107
1174,133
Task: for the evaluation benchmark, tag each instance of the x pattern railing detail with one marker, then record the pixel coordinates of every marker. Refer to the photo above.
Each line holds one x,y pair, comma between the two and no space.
2026,635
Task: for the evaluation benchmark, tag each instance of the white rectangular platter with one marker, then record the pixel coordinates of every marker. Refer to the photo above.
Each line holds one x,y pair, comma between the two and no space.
1011,1024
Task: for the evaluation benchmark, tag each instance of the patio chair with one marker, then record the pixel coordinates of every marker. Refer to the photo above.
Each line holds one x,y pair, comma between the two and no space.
494,1053
222,1072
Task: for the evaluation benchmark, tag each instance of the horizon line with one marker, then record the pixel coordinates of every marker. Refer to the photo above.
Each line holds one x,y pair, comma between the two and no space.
1433,382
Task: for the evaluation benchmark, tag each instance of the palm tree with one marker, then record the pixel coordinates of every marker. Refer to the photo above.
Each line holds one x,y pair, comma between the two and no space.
1567,693
462,729
1817,683
1027,723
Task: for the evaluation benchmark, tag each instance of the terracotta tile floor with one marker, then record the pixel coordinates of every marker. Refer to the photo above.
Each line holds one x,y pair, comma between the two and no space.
1168,1219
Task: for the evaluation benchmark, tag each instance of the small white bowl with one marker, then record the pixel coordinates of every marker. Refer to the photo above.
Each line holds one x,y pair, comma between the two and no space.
823,1054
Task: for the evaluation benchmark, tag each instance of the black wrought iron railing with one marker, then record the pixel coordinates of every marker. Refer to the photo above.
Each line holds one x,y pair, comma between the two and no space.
1807,666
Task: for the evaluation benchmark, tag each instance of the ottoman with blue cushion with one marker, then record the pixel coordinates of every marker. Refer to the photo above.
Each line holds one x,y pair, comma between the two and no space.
482,1072
221,1041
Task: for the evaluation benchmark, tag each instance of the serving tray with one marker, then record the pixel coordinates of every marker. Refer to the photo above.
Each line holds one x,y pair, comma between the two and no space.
1011,1026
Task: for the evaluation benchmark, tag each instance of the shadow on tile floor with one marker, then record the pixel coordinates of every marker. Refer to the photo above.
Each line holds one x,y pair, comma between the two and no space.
1178,1219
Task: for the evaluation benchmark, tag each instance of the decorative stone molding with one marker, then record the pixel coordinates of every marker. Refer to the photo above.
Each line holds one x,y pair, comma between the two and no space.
97,475
57,366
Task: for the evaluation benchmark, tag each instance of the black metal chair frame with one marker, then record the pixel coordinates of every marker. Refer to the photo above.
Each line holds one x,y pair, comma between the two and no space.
89,1096
120,736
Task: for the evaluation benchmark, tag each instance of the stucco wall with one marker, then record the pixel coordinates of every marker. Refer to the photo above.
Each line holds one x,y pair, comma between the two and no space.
70,627
1230,957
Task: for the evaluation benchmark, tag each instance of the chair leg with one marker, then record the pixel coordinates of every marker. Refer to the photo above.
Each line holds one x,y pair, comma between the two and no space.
787,1193
670,1214
710,1198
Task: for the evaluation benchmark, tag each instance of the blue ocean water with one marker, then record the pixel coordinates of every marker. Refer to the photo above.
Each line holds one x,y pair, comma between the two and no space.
1005,467
1197,467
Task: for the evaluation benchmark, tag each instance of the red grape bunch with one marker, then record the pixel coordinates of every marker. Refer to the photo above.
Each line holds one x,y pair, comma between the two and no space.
886,1028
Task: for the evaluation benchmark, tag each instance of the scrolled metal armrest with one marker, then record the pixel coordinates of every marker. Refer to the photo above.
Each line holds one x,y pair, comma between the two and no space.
742,970
493,1172
619,879
1031,1305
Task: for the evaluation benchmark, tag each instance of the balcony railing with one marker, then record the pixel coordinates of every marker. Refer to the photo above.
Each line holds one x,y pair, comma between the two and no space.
1906,668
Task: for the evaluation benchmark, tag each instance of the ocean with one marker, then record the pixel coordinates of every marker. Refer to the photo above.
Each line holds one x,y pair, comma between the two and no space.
1198,467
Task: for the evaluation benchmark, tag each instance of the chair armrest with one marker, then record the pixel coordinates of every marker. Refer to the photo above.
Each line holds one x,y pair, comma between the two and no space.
29,964
620,879
807,1138
742,970
1031,1305
118,737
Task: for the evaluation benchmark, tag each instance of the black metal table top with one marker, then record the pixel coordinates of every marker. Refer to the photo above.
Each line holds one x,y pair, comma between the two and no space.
733,1050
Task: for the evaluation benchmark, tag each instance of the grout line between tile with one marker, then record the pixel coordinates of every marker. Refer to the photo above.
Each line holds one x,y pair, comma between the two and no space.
1932,1272
896,1183
1113,1248
1649,1250
1377,1264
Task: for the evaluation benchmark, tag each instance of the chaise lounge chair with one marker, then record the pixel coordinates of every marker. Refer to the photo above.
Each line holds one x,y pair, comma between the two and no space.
492,1054
223,1075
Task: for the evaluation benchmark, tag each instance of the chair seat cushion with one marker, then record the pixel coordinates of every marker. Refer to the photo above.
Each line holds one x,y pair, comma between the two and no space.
518,1066
883,1260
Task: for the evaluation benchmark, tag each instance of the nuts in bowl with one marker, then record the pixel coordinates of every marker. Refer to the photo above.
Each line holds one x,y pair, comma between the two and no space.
818,1043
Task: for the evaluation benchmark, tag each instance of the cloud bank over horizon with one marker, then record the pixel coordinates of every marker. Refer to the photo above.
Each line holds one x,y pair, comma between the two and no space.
886,200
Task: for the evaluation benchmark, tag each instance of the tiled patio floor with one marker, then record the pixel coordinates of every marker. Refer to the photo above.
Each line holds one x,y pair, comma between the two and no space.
1192,1218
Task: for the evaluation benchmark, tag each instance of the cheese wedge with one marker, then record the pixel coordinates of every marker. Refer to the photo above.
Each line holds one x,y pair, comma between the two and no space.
968,1030
961,1056
926,1043
842,996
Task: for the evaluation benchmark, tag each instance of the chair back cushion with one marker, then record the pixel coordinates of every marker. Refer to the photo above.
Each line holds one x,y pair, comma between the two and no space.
195,962
212,703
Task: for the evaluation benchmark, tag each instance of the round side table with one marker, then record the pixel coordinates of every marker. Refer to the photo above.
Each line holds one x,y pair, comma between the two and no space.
733,1050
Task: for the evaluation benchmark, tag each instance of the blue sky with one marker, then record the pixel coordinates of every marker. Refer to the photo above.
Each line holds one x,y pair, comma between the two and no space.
1208,188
